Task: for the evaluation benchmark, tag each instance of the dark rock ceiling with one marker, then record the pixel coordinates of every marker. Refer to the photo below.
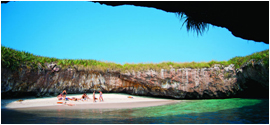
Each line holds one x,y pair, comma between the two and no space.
245,19
248,20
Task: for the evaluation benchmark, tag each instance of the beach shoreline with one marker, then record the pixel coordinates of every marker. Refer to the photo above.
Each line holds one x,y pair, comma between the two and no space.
111,101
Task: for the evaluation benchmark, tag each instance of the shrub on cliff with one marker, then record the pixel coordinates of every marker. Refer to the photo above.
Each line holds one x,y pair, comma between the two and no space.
263,55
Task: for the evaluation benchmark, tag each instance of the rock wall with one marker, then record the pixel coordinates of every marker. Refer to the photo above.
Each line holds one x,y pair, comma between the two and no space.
253,77
185,83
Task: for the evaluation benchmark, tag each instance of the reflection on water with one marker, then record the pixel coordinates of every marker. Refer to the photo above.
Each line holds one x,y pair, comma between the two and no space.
213,111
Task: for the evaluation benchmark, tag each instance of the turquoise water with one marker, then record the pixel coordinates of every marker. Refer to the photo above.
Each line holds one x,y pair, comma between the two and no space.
212,111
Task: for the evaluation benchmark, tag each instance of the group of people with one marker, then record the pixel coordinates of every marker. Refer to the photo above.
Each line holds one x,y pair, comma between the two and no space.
62,96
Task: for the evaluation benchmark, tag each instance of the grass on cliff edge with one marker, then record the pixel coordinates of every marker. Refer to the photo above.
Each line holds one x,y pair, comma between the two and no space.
13,59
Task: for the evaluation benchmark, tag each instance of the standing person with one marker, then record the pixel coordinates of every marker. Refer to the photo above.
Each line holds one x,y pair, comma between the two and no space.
64,94
100,96
94,97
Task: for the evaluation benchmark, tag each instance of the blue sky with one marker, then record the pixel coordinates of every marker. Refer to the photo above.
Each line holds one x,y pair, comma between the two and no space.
122,34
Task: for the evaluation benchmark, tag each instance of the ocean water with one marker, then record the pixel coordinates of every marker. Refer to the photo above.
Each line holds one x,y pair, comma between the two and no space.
212,111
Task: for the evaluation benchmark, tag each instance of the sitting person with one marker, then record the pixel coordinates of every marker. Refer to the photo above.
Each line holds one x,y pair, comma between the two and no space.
60,97
84,96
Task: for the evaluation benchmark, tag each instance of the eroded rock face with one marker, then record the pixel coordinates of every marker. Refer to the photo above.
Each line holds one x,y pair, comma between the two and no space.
254,79
185,83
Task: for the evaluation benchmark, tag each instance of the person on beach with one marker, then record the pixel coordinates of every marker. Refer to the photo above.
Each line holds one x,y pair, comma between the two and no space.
84,96
64,94
60,96
100,96
74,99
69,104
94,97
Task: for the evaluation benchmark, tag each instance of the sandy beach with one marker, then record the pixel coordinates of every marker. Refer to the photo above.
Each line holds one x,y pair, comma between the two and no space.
111,101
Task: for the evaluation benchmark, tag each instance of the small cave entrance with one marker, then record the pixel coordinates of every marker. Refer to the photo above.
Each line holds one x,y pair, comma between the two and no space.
253,90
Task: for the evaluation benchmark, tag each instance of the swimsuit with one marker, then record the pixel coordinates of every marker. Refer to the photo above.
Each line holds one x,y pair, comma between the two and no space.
84,97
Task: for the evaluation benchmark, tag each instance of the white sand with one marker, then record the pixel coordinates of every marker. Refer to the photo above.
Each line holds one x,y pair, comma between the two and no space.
110,101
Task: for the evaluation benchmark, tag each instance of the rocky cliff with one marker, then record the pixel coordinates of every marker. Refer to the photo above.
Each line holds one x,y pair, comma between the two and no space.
253,77
184,83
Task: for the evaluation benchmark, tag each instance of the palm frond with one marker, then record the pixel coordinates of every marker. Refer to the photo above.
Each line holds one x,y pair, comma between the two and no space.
193,24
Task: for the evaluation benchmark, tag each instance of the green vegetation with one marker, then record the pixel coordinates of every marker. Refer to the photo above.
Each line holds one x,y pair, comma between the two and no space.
239,61
13,59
